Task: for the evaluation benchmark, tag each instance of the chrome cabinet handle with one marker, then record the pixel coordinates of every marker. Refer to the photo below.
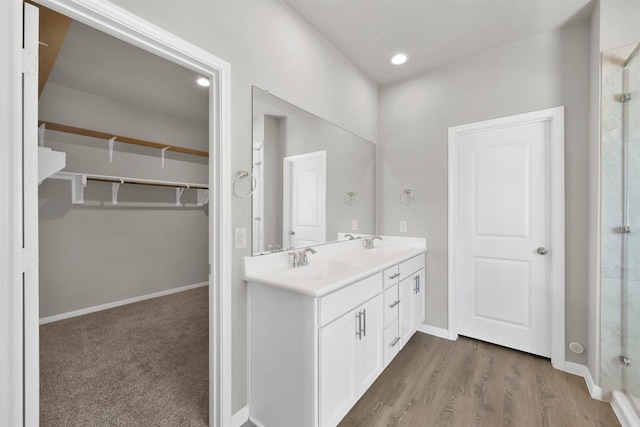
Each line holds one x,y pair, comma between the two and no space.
417,282
364,322
396,302
359,326
394,342
393,276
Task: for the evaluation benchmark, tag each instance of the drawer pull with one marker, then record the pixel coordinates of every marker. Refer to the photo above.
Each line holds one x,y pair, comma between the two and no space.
396,302
394,342
393,276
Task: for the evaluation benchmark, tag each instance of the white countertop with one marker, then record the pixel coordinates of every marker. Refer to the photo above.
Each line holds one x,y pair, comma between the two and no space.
334,265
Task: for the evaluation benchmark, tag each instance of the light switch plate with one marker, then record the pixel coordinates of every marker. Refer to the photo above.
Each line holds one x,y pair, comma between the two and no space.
354,224
403,226
240,238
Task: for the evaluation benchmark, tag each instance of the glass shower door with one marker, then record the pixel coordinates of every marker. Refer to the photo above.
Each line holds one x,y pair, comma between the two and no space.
631,231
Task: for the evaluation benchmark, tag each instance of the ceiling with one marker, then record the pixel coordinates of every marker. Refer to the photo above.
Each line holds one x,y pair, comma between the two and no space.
368,32
432,32
94,62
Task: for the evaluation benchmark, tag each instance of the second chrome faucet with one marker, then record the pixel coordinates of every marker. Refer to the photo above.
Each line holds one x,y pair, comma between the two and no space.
301,258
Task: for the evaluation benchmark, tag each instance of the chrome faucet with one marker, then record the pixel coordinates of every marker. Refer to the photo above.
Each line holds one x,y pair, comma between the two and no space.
274,247
367,243
301,258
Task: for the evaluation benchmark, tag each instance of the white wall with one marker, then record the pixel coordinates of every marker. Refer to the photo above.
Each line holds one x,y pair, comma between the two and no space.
546,71
270,47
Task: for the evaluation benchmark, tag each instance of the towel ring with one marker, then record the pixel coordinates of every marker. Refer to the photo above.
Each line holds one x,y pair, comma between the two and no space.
254,184
351,198
406,196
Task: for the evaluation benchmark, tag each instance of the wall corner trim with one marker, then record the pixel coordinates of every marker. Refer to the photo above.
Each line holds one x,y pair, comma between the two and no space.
582,371
435,331
240,417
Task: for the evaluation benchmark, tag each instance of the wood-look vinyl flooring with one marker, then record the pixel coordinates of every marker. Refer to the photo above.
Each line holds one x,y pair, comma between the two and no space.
436,382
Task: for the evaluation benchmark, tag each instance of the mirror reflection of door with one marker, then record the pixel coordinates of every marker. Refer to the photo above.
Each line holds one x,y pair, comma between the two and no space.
304,199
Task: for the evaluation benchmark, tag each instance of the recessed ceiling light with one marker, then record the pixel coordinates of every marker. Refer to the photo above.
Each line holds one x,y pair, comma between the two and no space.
399,58
203,81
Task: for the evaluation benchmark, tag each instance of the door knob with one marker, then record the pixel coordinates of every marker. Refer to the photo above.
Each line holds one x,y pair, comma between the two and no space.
292,233
542,250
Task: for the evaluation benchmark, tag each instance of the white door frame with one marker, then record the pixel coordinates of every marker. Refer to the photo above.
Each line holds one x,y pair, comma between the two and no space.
286,193
128,27
555,197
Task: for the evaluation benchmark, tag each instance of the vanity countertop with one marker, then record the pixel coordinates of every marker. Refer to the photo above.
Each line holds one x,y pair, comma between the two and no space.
333,266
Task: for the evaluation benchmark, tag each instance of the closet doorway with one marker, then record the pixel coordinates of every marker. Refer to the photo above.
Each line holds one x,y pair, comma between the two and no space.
128,218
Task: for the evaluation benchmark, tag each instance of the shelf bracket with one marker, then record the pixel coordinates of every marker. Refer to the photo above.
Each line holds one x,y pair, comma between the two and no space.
41,135
179,191
202,197
115,187
111,141
162,151
78,184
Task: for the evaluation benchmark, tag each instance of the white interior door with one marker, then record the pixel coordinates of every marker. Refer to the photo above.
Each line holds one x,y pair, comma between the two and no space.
30,218
304,199
502,233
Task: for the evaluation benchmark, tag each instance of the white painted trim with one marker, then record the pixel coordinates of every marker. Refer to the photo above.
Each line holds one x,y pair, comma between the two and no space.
433,330
256,422
11,333
96,308
240,417
130,28
555,117
583,371
624,410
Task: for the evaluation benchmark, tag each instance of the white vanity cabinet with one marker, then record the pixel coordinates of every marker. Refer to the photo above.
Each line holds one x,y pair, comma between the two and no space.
350,359
316,347
407,279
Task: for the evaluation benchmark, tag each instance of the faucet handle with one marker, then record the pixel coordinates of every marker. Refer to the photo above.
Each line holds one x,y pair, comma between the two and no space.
296,261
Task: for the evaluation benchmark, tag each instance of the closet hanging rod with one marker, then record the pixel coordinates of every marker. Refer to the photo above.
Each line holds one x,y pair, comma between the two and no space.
104,135
154,184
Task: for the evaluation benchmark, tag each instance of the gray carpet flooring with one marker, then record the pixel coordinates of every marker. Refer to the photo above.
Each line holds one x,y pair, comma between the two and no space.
143,364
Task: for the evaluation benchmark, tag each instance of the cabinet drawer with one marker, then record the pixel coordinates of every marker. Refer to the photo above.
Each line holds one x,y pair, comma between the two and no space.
391,305
411,265
391,342
334,305
391,276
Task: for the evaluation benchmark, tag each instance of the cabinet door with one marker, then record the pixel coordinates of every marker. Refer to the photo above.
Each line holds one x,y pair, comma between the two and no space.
370,345
418,299
405,292
337,367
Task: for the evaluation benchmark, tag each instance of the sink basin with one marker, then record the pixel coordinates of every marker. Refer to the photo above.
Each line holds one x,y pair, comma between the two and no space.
387,249
319,271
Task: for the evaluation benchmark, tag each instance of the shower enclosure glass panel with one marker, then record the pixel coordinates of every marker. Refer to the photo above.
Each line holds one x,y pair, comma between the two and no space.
630,230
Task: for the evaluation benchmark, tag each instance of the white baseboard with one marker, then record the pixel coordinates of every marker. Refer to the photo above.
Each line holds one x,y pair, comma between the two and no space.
240,417
432,330
88,310
624,410
582,371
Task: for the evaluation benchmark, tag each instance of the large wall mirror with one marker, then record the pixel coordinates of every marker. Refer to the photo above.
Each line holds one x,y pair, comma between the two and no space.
313,178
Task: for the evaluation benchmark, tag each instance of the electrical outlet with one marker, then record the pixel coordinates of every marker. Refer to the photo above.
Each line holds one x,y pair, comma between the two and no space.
240,238
403,226
354,224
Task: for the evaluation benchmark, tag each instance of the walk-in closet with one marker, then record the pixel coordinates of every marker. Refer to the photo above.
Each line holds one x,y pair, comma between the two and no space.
123,232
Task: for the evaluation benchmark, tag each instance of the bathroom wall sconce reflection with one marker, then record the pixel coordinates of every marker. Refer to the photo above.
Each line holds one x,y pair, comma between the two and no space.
351,198
406,196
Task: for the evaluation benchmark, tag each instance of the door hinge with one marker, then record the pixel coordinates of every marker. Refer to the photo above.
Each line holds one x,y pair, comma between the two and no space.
29,63
29,260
